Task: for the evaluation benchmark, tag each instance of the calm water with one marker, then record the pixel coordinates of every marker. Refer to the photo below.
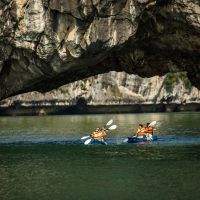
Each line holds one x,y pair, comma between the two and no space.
43,158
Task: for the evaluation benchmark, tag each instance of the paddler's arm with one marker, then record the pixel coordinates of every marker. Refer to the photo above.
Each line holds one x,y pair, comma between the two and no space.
136,133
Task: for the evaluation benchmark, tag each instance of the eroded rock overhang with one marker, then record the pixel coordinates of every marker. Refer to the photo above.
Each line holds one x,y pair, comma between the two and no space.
47,43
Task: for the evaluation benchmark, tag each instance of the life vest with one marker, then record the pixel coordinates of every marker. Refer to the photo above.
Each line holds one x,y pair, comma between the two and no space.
150,130
99,135
141,131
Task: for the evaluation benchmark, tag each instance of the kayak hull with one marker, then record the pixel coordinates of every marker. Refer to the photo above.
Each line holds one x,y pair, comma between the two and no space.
144,139
95,142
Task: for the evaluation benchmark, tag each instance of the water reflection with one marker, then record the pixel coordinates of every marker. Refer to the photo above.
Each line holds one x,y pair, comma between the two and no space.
98,172
72,127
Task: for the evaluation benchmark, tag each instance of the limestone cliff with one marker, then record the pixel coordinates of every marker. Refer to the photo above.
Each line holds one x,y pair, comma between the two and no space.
116,88
47,43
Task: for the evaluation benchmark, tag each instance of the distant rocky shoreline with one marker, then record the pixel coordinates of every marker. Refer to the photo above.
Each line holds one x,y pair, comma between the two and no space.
19,110
110,93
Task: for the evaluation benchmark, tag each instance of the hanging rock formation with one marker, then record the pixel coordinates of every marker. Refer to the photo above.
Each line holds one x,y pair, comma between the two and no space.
47,43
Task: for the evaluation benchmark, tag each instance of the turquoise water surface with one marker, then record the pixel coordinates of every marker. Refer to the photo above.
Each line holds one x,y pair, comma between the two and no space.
44,158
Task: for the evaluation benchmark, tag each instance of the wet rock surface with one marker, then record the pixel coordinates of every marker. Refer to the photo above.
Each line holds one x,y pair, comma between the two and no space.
45,44
114,88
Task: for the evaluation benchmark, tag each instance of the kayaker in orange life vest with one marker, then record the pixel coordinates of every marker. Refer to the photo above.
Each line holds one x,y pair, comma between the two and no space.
149,130
99,134
141,132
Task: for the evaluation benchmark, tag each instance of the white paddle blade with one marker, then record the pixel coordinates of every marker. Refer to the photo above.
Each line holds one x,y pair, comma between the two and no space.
125,140
152,124
87,141
85,137
109,122
113,127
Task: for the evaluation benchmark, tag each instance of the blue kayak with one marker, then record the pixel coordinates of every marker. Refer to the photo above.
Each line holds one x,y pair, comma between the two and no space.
93,141
144,139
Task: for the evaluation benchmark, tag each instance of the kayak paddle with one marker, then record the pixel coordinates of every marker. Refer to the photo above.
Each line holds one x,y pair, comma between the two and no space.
125,140
113,127
108,123
153,123
87,141
85,137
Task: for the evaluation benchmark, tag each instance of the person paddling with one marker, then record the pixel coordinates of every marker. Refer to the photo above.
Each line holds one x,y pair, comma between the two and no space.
99,134
140,131
149,130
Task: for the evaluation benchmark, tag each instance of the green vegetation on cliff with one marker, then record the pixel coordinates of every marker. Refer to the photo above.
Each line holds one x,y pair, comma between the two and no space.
173,78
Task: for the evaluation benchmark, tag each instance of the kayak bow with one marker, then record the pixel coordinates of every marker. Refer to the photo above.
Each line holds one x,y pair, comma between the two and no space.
95,142
142,139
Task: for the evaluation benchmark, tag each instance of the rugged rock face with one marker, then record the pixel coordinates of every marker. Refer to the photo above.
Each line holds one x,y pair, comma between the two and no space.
115,88
46,43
